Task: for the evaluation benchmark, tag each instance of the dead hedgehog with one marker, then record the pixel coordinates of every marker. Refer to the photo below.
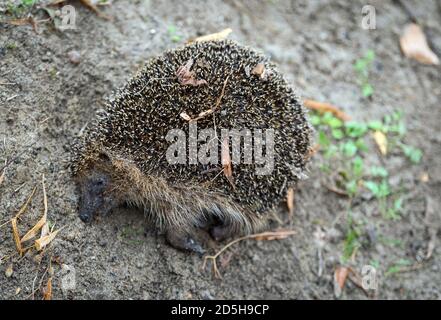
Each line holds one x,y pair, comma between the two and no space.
157,145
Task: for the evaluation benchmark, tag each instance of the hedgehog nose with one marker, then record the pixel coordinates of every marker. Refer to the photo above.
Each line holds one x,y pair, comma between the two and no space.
85,217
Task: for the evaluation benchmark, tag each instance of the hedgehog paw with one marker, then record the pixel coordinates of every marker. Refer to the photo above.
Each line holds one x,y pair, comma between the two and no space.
184,242
220,232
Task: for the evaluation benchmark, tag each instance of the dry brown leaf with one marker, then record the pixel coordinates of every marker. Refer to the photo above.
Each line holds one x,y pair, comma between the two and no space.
323,107
187,77
16,235
25,206
414,45
47,292
44,230
34,230
214,36
44,241
381,141
24,21
357,279
226,161
260,71
290,202
340,276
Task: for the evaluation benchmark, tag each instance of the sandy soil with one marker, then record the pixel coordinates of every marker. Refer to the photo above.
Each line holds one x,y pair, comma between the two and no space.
48,100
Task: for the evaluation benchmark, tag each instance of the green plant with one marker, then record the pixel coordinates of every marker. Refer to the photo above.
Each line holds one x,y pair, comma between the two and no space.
397,267
379,190
378,172
29,2
375,263
390,241
352,238
395,210
11,45
412,153
353,176
355,129
362,67
19,9
173,33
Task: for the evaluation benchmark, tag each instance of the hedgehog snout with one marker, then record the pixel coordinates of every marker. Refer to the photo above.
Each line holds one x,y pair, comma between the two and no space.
94,196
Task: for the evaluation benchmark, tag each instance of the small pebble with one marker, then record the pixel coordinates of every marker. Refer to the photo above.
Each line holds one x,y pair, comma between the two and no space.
74,56
9,271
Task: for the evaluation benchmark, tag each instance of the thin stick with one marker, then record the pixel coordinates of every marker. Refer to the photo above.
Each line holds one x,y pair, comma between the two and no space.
205,113
268,234
337,191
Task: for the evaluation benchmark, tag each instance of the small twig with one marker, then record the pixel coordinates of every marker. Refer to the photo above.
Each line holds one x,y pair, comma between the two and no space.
413,267
12,97
205,113
337,191
269,235
2,176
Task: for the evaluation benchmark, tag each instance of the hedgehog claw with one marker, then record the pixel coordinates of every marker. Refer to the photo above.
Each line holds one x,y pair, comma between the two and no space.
184,242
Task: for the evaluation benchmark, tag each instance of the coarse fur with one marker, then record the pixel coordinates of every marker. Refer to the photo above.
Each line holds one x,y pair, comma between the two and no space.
121,157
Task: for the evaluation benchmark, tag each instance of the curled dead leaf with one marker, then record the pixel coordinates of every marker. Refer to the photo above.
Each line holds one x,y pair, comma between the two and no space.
323,107
187,77
260,71
47,291
20,22
44,241
34,230
340,276
381,141
414,45
290,202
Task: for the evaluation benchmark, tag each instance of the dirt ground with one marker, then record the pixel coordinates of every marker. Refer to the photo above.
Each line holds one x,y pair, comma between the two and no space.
46,100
